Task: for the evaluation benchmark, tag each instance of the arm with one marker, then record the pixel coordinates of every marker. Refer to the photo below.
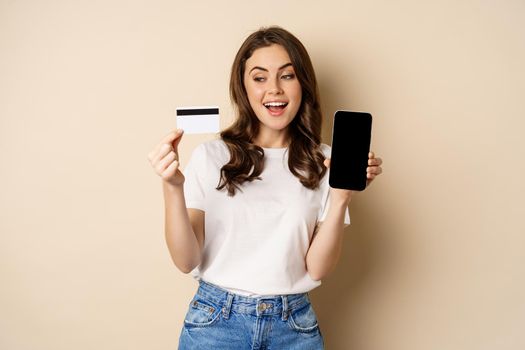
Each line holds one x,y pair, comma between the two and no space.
325,248
184,229
327,242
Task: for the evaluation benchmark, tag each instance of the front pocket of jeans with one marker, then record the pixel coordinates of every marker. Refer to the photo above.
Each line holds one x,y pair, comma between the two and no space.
303,319
201,313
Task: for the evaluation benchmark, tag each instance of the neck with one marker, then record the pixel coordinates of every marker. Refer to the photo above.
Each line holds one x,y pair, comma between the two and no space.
280,140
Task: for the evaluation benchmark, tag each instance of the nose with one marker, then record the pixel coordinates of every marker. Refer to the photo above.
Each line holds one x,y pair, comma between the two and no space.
275,87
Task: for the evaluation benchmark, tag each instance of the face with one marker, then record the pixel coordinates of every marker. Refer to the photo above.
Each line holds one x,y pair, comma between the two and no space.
273,90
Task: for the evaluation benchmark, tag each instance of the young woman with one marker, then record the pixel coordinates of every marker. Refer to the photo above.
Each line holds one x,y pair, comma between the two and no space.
253,217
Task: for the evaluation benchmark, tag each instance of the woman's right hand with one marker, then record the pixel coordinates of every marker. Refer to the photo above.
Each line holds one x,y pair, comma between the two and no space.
165,158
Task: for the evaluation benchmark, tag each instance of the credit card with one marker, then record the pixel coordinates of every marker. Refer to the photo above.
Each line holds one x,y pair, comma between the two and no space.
198,120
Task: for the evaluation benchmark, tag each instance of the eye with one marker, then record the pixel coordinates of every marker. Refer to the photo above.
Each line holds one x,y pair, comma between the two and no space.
259,79
288,76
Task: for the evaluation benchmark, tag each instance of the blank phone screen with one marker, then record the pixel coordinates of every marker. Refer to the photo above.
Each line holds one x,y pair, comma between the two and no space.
351,136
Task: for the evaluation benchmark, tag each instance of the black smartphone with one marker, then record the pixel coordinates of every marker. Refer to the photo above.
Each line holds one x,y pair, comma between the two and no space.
351,136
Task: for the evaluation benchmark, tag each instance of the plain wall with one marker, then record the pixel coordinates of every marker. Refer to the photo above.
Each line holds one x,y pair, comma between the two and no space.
434,258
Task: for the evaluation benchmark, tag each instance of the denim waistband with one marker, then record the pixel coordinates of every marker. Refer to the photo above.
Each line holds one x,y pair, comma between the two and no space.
257,306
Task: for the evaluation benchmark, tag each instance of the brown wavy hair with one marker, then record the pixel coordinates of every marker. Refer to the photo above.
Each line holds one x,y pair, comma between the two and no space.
305,159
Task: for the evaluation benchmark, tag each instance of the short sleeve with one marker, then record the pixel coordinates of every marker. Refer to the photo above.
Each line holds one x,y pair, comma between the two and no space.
194,173
325,205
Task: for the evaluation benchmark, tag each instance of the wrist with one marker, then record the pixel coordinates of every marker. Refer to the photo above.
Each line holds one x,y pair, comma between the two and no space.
337,203
340,198
169,187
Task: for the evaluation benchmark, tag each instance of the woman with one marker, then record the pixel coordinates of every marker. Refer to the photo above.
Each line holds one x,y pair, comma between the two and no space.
253,217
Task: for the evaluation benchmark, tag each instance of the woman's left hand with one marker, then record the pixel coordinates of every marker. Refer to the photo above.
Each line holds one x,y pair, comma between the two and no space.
373,169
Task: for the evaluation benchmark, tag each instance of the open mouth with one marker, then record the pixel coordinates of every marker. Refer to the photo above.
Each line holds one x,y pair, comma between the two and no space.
276,107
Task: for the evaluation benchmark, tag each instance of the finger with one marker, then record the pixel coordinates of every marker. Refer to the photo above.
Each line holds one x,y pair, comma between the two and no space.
164,149
375,161
172,135
165,140
170,170
371,155
374,170
169,138
166,161
175,143
327,162
369,178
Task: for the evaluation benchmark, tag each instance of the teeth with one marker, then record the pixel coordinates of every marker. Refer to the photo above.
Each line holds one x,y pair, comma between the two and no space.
275,104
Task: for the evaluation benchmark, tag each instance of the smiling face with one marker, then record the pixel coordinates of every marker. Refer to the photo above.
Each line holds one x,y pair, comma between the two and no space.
274,93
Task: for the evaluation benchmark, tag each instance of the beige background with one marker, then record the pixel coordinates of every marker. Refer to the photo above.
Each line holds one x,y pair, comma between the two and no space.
435,256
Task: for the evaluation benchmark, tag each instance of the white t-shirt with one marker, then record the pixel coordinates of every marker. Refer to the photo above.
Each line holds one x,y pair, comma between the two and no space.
256,241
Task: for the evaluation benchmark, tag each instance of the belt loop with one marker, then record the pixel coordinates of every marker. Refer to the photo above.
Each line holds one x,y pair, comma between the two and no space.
285,307
227,306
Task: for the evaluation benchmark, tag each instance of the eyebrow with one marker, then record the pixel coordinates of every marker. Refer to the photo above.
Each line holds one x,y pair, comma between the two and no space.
266,70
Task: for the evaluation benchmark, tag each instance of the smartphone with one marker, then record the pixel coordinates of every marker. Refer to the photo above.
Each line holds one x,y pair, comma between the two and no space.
351,136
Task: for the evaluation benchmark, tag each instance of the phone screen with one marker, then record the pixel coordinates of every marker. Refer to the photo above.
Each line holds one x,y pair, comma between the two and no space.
351,137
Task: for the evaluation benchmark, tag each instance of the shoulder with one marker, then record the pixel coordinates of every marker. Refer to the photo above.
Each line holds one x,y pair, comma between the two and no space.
211,147
214,151
326,149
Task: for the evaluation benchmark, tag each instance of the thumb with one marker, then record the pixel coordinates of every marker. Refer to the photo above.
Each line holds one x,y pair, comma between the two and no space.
327,162
178,137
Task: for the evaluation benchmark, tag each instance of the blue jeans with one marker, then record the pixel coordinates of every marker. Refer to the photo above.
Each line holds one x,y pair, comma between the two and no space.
217,320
